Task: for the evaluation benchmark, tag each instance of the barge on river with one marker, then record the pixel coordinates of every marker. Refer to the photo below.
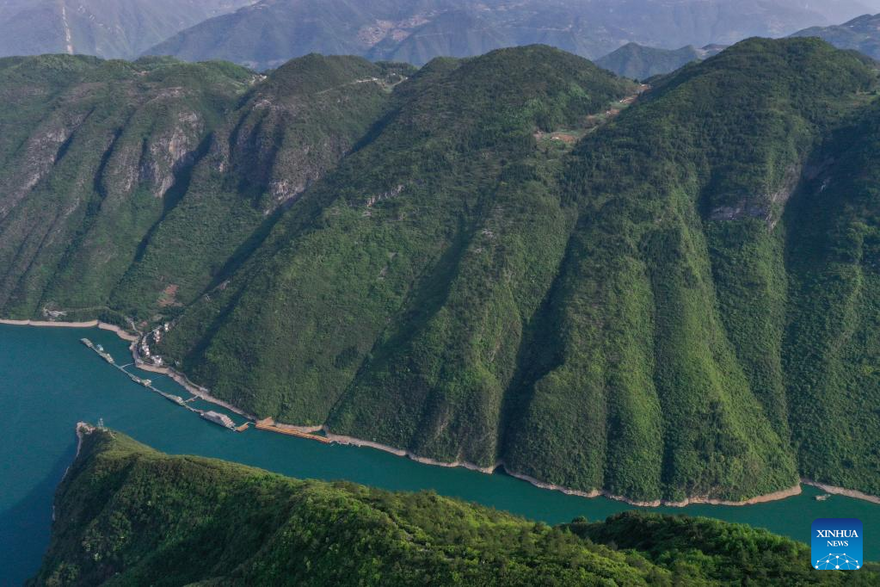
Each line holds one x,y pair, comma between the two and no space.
219,419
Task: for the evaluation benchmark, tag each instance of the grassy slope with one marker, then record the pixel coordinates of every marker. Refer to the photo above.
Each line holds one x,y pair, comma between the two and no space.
129,515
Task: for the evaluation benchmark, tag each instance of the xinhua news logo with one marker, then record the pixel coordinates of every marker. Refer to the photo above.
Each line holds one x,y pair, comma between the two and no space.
837,544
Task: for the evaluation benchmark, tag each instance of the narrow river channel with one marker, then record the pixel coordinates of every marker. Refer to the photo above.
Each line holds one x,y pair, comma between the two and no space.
49,381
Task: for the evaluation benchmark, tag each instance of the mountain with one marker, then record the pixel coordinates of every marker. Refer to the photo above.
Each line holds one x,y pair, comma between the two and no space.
637,62
126,514
94,172
106,28
401,300
511,260
860,34
270,32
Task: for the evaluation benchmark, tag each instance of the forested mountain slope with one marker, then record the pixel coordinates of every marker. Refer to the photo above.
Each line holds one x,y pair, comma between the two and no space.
391,300
681,289
649,345
127,515
128,186
487,262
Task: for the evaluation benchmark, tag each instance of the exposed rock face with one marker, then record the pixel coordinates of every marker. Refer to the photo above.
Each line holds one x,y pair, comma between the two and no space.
170,152
41,152
766,206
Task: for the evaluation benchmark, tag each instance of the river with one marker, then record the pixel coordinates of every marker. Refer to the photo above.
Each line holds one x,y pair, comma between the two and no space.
49,382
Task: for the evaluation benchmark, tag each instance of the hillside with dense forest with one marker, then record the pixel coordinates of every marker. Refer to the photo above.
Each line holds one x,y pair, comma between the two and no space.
126,187
126,514
513,259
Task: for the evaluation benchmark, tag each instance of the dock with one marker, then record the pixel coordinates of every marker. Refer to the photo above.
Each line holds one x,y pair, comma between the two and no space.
210,416
269,425
99,349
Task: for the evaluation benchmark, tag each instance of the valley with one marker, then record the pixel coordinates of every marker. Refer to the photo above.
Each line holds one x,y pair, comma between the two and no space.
347,245
556,291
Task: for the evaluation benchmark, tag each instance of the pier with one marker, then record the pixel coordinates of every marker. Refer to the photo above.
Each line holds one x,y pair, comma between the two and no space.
213,417
100,350
223,420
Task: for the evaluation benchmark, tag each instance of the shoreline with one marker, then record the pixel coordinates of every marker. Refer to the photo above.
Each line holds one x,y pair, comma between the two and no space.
184,382
173,374
695,500
359,442
120,332
81,430
688,501
205,395
834,490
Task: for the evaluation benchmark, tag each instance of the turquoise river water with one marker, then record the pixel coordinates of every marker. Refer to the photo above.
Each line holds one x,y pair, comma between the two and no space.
49,382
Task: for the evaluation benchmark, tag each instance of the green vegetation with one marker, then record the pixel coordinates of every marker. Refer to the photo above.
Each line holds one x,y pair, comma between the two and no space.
127,188
127,515
391,299
675,296
613,319
681,304
638,62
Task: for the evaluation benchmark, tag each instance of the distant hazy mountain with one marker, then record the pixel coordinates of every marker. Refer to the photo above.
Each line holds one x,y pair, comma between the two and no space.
107,28
639,62
861,34
270,32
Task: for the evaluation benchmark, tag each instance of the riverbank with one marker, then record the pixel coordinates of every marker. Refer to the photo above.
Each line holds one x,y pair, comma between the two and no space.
775,496
695,500
842,491
705,500
204,394
81,430
178,377
351,441
182,380
121,333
